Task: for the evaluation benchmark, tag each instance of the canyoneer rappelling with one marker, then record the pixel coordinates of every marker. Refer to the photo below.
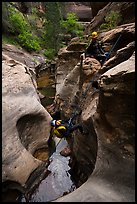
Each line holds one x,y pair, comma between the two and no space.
95,50
65,128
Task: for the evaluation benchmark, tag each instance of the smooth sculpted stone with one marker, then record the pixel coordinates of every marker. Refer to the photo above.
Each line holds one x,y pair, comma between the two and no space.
25,123
113,178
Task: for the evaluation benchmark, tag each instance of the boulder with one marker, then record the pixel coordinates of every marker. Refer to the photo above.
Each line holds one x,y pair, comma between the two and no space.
81,9
66,151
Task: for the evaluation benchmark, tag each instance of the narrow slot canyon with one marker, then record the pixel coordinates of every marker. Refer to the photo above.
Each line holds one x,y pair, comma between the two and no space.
64,86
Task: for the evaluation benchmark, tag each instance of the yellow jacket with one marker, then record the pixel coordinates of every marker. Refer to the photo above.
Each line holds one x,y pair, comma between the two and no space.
59,131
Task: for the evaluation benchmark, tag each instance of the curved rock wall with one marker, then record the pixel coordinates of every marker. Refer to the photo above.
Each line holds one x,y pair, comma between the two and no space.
68,79
25,123
113,178
109,121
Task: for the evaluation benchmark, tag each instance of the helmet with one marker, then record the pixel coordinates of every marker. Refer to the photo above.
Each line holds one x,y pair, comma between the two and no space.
94,35
53,123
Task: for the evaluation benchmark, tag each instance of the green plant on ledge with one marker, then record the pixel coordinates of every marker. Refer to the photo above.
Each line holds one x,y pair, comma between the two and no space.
111,20
22,30
71,25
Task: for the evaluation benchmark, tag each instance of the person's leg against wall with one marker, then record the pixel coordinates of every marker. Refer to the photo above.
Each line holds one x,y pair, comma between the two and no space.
75,127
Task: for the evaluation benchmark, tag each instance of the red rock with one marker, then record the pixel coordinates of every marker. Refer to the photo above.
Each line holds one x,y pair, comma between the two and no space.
66,151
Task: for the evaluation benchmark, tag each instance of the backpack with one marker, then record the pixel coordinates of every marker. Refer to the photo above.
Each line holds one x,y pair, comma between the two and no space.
59,131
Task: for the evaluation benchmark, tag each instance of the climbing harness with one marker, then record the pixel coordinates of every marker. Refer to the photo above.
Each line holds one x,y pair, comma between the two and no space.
108,54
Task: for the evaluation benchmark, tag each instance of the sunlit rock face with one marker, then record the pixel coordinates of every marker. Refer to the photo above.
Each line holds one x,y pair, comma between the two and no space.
25,123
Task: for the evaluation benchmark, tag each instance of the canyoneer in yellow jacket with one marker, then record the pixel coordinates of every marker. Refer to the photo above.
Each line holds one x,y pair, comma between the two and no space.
63,128
95,49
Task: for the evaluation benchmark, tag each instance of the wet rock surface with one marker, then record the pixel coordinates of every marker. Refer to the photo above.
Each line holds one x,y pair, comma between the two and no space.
58,181
107,150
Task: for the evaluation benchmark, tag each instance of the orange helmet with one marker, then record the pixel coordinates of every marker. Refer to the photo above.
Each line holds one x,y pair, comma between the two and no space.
94,34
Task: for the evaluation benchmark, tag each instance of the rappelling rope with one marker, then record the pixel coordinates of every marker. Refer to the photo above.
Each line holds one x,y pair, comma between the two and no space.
97,74
80,83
